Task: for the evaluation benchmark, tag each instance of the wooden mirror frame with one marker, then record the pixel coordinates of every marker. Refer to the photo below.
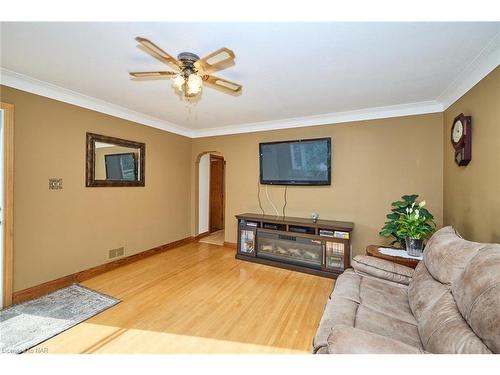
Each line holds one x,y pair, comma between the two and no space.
90,157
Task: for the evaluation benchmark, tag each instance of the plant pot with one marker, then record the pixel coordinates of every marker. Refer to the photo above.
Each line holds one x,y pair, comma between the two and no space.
414,247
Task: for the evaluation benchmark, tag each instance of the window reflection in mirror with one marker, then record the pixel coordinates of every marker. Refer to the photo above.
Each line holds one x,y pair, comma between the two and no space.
113,162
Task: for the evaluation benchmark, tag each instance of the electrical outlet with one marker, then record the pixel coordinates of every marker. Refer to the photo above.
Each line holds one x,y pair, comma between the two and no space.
120,251
112,253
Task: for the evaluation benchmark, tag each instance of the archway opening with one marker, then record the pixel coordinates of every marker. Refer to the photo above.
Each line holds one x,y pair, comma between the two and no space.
210,197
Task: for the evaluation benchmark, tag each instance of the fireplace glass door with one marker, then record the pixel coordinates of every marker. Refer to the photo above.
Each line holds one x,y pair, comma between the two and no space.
290,249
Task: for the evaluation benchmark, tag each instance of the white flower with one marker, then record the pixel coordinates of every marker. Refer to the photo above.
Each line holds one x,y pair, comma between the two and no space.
417,213
421,204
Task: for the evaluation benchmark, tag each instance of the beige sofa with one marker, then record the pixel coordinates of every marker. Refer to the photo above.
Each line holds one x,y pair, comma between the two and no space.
449,304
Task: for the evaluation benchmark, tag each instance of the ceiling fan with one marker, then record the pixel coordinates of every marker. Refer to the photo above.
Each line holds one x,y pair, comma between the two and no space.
190,71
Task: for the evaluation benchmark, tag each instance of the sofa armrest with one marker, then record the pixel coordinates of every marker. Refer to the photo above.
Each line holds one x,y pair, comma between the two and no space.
350,340
382,269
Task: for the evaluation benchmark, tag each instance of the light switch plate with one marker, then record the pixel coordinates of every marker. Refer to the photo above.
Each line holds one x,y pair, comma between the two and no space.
55,183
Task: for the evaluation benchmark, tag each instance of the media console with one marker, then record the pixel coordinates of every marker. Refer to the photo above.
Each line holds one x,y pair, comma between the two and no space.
320,248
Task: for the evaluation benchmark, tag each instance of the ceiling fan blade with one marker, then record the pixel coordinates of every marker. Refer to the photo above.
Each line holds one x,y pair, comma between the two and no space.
223,85
221,59
152,75
149,47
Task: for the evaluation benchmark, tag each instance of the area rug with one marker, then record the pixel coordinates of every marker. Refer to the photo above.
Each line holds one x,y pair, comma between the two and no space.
26,325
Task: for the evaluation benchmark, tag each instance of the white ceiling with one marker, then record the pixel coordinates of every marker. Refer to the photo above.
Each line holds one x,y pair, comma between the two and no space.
292,74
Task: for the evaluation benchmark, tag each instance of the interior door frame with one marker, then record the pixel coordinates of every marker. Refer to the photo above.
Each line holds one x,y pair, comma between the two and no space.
211,156
8,208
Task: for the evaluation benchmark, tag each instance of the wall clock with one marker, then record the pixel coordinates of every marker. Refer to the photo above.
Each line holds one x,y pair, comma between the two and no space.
461,139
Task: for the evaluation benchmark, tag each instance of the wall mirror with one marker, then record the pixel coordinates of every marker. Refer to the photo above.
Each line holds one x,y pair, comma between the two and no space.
114,161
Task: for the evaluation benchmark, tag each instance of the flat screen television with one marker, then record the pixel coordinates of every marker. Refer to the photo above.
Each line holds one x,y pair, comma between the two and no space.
300,162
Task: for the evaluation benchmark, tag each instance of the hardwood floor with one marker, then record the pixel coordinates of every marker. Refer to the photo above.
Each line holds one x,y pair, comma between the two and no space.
216,238
199,299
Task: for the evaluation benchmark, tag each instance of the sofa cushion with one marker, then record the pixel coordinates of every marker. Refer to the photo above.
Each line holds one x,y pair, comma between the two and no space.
370,304
446,254
349,340
322,350
341,308
385,298
381,268
374,321
477,293
347,286
443,330
338,310
424,290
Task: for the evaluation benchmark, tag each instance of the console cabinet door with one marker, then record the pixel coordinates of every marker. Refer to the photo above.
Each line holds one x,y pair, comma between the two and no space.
247,239
335,251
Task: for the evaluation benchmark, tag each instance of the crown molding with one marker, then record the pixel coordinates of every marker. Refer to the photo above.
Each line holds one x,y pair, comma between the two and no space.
326,119
48,90
487,60
483,64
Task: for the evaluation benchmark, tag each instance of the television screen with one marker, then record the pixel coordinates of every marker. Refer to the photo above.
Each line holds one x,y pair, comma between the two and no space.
301,162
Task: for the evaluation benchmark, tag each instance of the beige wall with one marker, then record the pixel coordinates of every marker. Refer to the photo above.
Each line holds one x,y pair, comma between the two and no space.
57,233
374,162
472,193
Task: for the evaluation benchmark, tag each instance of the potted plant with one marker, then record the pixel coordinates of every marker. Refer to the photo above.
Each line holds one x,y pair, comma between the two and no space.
414,227
390,228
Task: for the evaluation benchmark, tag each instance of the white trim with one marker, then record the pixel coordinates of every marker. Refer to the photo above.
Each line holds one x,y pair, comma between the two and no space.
483,64
35,86
48,90
325,119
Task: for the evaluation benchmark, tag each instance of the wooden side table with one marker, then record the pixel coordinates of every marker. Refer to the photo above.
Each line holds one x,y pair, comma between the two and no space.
373,251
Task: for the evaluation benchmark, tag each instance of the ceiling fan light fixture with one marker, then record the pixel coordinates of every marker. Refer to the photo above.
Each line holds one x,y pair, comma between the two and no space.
194,83
190,72
178,82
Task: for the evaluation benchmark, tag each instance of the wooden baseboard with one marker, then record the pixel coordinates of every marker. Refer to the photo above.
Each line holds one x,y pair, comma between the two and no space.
232,245
50,286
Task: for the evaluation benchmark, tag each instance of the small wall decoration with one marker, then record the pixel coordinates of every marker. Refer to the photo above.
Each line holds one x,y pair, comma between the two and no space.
461,139
55,183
